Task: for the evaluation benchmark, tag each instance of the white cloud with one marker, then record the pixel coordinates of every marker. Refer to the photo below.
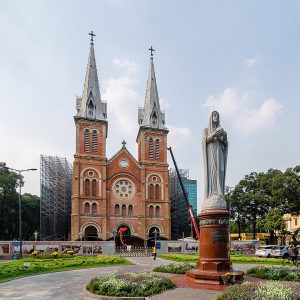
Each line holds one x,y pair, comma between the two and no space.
129,66
164,104
252,61
178,135
237,109
123,100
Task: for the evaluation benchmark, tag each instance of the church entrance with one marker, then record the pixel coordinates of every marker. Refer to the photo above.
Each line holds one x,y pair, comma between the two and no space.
154,234
90,233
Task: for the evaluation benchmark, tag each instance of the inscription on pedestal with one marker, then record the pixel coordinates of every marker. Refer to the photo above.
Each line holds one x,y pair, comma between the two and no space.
220,236
214,222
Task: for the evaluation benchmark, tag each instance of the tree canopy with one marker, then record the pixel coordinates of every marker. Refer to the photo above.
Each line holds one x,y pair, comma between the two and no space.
9,207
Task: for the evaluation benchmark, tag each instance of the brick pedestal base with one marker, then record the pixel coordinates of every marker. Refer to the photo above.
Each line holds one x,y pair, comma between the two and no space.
214,258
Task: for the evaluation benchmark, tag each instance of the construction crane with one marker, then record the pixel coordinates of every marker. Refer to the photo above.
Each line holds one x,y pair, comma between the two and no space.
189,206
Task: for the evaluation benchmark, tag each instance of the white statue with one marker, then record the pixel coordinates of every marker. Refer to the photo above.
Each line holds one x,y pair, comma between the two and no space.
215,146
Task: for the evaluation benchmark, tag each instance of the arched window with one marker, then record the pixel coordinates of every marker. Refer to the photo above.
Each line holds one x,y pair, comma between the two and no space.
151,148
86,141
90,109
87,187
157,211
130,210
151,211
95,141
94,208
151,192
154,119
157,192
94,187
86,208
117,209
123,210
157,149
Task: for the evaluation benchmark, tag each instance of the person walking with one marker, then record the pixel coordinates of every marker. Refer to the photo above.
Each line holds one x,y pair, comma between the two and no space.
154,253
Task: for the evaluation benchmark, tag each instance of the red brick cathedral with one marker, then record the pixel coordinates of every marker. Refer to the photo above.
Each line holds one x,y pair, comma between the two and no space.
119,192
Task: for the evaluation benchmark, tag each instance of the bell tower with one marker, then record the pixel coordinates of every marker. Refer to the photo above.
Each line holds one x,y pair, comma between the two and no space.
152,156
89,168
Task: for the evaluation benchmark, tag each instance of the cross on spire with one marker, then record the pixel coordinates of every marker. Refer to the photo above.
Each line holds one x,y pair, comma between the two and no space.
151,50
92,36
124,144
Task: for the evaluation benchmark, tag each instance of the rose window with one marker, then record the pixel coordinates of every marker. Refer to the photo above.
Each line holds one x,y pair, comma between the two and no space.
123,189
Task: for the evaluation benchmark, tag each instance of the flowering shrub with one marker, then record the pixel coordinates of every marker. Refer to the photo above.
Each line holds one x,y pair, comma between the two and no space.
70,252
35,253
178,268
54,254
129,285
229,278
268,290
275,273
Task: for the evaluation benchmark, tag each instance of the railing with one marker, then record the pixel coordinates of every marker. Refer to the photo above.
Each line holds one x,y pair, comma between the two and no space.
133,251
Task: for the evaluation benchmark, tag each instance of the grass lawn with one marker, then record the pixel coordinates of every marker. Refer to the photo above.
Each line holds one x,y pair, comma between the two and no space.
17,269
236,258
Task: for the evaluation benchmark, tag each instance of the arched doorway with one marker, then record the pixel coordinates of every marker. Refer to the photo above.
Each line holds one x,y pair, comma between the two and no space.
90,233
154,233
126,235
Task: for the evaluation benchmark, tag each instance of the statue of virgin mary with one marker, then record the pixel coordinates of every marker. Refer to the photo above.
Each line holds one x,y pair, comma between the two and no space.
214,146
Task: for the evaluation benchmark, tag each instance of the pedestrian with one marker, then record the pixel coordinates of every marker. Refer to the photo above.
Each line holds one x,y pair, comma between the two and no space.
154,252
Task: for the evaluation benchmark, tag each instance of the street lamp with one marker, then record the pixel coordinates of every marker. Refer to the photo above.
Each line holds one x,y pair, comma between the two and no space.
155,235
20,206
81,234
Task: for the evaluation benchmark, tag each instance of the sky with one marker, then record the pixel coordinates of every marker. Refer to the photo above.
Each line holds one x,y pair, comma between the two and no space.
237,57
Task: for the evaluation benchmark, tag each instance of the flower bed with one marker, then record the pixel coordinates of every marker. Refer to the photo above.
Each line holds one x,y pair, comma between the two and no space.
30,266
275,273
129,285
178,268
235,258
268,290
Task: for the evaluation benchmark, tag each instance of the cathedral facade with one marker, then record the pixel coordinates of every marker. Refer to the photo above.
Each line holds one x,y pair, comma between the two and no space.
121,191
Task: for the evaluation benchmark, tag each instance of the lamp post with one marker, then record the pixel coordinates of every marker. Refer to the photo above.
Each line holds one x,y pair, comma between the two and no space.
81,236
20,205
155,236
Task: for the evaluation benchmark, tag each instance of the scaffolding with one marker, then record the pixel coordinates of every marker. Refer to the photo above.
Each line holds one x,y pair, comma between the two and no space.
56,188
180,223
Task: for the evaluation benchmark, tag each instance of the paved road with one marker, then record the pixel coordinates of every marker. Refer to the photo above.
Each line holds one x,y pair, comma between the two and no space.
71,284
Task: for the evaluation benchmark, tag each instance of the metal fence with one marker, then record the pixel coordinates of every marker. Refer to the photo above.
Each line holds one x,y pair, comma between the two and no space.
133,251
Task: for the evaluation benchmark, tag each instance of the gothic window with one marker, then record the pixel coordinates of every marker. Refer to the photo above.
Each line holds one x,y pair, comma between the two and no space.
151,211
95,141
151,192
130,210
94,187
157,211
86,141
154,119
151,148
90,109
117,209
94,208
87,208
87,187
123,210
157,149
157,192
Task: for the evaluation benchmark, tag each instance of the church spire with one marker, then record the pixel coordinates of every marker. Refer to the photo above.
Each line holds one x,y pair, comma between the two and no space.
151,115
90,105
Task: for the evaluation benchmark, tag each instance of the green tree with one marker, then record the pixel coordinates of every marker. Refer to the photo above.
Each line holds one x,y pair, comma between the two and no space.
272,222
9,207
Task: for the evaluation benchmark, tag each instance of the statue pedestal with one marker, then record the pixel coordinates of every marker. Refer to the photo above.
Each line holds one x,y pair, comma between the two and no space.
214,258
